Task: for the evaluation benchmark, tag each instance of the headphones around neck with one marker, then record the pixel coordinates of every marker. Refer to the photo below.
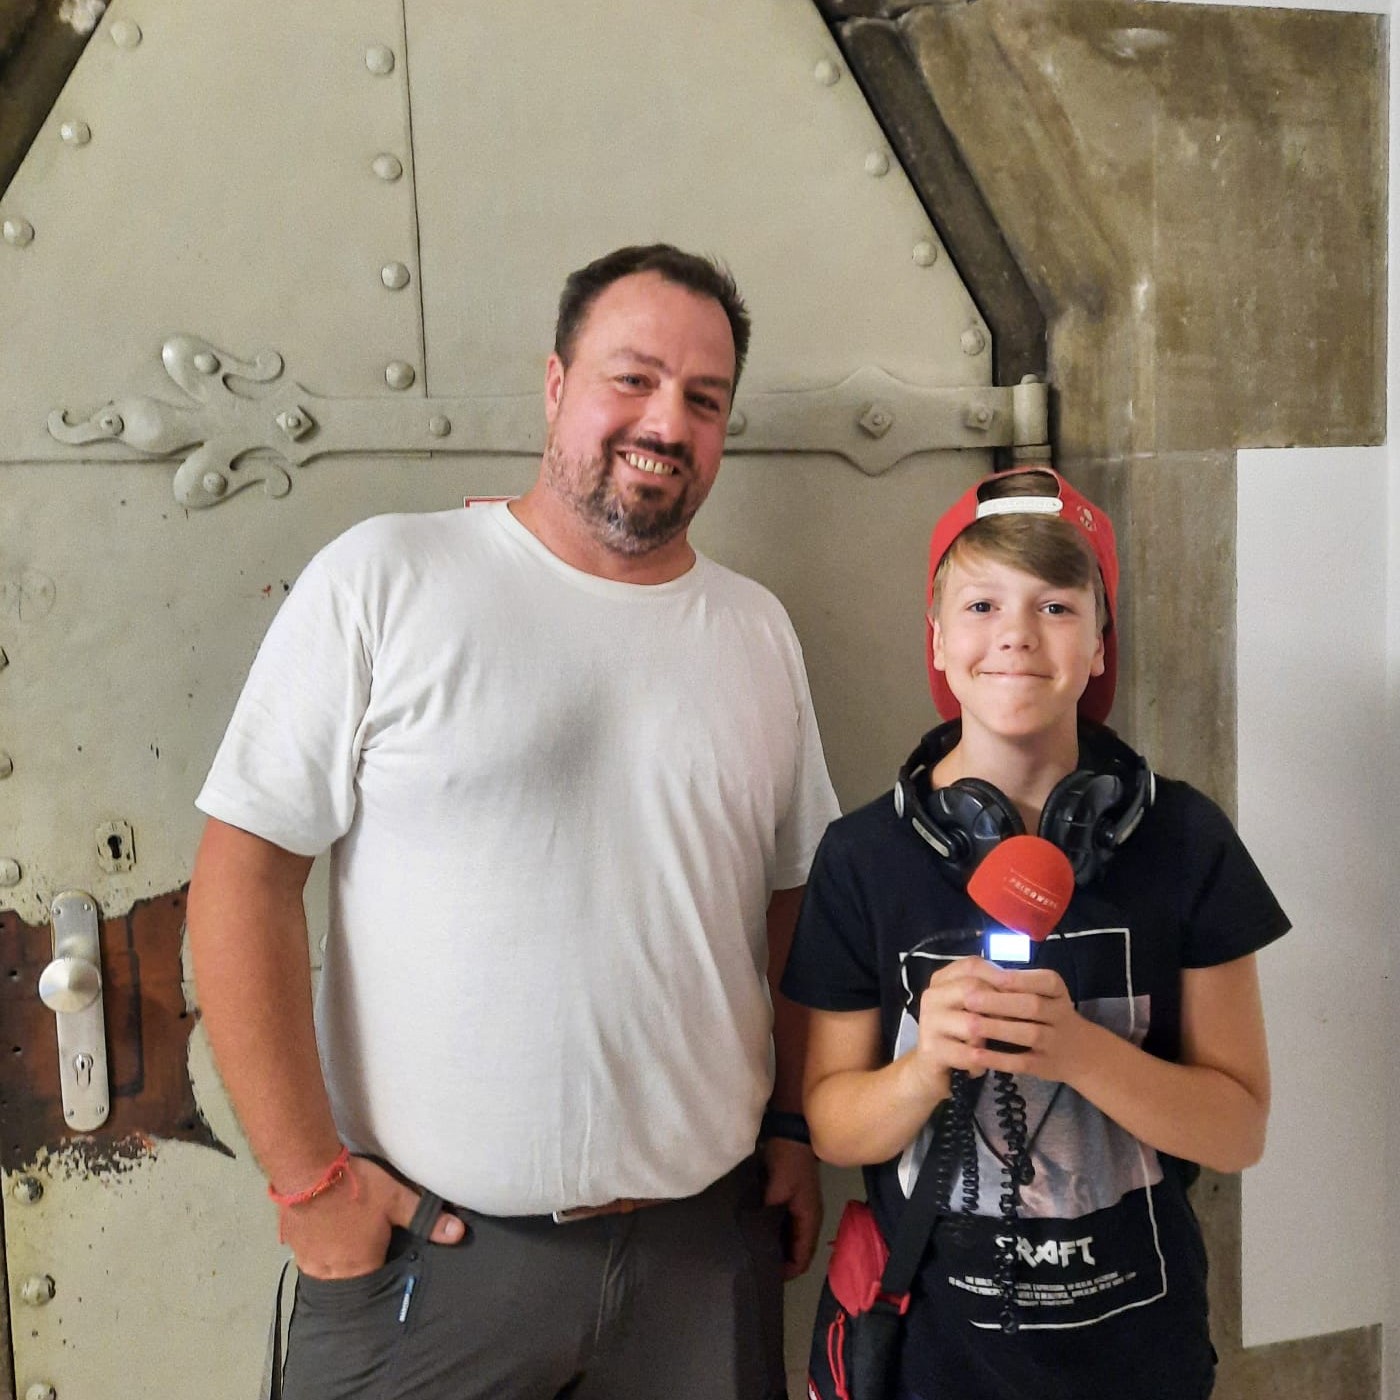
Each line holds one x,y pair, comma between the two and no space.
1089,814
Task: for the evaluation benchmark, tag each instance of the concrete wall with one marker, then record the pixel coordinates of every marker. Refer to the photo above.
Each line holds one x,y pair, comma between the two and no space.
1318,622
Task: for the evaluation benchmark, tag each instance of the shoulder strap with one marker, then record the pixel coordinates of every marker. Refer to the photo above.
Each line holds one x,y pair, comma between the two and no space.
272,1365
916,1224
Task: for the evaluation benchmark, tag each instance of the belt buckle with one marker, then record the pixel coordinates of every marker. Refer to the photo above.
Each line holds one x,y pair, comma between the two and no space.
623,1205
576,1213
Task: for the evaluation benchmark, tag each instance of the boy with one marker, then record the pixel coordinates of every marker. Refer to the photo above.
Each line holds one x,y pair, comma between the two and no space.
1134,1038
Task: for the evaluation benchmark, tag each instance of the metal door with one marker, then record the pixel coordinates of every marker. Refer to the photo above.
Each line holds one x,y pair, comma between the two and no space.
271,268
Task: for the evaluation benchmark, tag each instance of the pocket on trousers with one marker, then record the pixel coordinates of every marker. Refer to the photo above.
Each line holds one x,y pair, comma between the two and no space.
347,1335
371,1291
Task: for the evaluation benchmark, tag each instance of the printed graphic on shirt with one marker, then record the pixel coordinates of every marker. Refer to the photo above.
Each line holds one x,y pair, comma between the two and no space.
1086,1239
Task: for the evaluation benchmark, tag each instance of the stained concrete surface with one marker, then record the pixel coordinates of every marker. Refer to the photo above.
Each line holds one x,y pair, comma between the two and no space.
1197,196
1174,513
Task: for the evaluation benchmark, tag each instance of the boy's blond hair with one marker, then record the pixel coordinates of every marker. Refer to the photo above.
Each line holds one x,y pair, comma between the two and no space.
1044,546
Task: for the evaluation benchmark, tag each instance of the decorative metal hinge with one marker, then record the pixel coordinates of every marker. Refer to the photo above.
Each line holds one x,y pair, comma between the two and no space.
240,425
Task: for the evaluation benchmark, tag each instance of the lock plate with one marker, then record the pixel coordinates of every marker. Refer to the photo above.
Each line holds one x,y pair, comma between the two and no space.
71,987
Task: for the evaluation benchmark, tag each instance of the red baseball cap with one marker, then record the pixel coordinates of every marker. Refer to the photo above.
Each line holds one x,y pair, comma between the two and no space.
1092,524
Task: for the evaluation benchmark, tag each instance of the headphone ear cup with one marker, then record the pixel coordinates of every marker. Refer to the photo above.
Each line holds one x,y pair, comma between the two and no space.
991,815
980,815
1078,817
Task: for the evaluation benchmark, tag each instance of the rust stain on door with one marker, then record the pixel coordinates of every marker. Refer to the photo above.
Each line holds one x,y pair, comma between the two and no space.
148,1033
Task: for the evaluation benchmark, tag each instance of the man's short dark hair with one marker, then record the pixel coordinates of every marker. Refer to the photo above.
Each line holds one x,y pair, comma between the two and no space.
704,276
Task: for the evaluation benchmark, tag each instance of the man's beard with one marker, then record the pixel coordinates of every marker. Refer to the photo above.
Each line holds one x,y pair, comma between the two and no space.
636,523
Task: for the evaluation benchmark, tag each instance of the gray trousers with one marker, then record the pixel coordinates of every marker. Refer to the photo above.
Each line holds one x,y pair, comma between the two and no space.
681,1300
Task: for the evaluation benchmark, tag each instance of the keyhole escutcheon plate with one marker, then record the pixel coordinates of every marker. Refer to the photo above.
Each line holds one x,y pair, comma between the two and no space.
71,987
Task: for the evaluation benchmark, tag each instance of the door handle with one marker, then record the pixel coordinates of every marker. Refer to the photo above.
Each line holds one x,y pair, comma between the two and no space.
71,987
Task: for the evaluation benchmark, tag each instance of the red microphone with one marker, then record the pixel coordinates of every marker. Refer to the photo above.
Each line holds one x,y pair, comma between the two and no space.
1025,884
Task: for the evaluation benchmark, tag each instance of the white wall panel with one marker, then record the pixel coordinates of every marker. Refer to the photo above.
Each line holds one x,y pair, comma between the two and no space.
1318,809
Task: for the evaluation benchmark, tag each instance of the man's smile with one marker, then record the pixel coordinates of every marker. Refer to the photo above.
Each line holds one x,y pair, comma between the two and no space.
653,465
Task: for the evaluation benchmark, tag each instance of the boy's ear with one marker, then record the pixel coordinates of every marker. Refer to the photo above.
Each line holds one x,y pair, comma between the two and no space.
938,664
1096,665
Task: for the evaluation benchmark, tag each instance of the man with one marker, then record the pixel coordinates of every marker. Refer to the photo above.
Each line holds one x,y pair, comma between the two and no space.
570,780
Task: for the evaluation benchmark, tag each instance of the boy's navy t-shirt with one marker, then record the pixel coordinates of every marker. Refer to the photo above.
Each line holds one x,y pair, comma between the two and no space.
1110,1265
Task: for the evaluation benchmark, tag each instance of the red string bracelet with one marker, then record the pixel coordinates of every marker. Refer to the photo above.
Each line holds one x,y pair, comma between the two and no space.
337,1169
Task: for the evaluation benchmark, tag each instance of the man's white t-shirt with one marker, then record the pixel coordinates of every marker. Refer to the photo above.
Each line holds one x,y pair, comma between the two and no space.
556,807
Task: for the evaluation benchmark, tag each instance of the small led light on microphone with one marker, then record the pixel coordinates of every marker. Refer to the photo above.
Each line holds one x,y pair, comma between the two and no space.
1005,947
